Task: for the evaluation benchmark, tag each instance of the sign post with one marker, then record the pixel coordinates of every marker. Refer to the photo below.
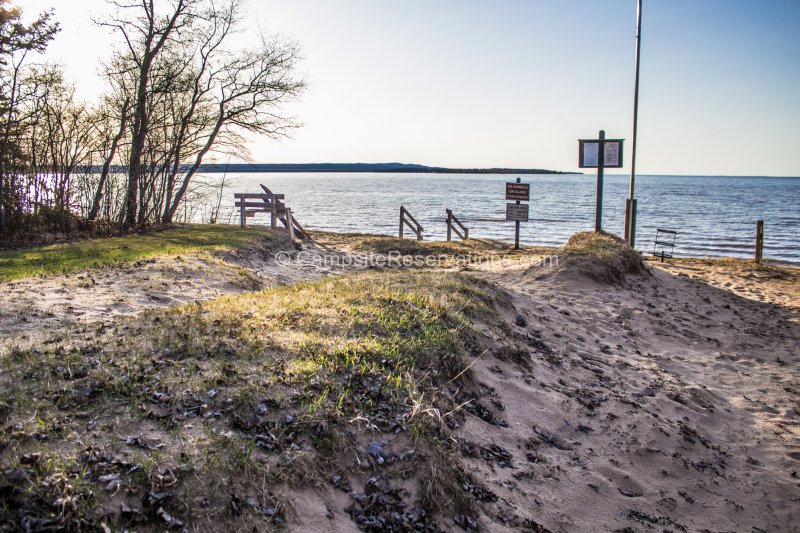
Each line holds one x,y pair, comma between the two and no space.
516,211
600,153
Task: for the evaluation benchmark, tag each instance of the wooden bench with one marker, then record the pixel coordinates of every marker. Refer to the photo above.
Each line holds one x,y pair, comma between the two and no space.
250,204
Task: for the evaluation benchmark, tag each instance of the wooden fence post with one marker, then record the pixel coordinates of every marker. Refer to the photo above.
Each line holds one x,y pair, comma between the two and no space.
402,219
289,223
449,224
759,240
273,212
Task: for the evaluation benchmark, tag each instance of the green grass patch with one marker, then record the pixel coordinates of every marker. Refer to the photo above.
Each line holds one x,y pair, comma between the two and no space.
98,253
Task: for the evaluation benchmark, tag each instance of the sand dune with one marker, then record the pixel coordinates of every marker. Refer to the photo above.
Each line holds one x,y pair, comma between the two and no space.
664,400
664,403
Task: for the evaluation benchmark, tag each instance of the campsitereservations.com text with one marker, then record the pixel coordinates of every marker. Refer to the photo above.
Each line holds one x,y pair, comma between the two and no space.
395,259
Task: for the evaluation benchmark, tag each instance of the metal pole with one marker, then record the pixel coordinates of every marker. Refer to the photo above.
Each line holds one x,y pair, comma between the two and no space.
601,161
516,234
630,205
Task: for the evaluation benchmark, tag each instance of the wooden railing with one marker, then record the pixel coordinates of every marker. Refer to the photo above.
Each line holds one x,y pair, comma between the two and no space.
407,219
284,214
453,225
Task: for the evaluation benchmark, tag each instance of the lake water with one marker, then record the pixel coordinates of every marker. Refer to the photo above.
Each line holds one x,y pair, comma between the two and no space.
715,216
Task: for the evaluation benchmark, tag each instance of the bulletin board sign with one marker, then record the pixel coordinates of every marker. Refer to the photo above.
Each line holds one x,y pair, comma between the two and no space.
589,152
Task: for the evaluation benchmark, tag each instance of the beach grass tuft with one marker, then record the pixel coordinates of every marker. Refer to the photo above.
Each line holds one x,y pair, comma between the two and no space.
601,256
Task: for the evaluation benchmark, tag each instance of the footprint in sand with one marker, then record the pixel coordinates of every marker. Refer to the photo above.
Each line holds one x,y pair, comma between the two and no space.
625,484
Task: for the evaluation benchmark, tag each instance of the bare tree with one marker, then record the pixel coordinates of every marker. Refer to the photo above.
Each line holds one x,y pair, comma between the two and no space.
59,142
17,40
249,89
146,34
190,94
107,144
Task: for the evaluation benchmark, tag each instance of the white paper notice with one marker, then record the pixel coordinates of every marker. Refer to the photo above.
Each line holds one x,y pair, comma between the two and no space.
590,153
611,155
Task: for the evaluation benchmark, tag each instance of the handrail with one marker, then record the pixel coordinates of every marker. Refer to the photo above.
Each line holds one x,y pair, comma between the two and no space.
451,219
407,218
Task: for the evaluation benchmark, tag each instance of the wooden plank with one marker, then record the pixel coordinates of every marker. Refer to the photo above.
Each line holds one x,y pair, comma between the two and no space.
261,208
452,222
279,205
416,229
270,193
303,233
289,223
414,220
279,213
405,217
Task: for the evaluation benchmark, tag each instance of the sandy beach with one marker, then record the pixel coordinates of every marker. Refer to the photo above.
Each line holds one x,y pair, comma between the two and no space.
655,397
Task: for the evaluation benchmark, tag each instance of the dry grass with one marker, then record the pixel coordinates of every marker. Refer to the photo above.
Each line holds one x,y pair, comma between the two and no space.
732,264
207,414
601,256
383,244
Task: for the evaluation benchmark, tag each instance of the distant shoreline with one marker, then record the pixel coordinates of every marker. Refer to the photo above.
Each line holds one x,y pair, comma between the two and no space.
365,167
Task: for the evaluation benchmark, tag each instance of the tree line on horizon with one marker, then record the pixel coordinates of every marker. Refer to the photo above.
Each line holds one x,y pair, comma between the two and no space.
177,90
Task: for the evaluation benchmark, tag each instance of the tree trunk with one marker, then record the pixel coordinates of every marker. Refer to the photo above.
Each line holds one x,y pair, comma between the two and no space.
173,207
98,195
140,124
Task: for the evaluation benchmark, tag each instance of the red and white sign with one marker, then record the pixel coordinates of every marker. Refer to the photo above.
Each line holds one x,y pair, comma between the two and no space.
518,191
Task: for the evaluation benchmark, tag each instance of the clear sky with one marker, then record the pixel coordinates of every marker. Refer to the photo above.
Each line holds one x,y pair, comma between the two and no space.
515,83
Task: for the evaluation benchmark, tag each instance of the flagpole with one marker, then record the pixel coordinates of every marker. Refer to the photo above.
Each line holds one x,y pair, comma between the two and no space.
630,205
